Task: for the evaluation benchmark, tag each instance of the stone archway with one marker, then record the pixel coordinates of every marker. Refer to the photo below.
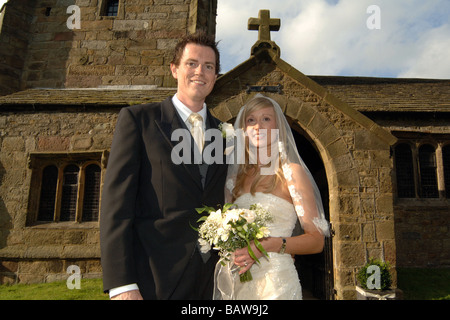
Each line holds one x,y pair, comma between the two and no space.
339,170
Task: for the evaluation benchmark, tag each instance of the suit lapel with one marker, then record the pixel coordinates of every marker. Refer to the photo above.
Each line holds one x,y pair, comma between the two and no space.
168,123
212,168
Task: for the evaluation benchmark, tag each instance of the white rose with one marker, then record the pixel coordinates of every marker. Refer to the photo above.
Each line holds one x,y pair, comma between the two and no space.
204,245
227,130
249,215
215,215
232,215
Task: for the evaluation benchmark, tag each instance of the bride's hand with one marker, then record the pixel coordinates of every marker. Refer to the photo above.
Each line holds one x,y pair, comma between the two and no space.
243,260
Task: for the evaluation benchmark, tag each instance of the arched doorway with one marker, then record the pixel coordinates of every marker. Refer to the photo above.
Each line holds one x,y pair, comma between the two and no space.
315,271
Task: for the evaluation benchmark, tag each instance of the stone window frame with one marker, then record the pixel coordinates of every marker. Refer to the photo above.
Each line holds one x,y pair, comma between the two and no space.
442,176
37,162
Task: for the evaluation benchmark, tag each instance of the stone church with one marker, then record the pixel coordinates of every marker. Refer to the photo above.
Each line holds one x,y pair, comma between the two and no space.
378,148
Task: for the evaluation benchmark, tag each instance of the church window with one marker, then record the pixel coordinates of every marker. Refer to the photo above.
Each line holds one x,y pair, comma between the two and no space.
69,193
91,193
48,193
65,187
111,8
446,161
427,168
405,171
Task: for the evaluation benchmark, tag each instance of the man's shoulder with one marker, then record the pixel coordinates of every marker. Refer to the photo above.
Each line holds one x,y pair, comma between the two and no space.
154,107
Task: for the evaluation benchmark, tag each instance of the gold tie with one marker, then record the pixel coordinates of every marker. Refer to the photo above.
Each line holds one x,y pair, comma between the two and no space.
196,122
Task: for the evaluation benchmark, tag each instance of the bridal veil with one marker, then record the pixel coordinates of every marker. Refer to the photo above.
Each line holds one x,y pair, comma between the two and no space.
284,159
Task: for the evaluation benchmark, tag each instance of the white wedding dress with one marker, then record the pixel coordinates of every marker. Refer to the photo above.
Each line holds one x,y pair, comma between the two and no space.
276,277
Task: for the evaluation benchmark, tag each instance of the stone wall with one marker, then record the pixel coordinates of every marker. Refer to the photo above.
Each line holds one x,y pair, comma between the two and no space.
39,271
422,226
42,251
133,48
14,30
422,233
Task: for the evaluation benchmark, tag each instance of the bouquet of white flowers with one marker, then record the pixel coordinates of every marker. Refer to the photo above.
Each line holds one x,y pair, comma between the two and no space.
231,228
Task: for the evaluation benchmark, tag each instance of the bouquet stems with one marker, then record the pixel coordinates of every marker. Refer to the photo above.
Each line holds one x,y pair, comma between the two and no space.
246,276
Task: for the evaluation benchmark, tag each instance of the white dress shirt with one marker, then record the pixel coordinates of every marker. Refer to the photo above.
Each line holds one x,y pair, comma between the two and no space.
185,112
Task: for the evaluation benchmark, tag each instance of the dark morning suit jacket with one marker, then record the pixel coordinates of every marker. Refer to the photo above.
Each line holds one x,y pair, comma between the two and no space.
148,205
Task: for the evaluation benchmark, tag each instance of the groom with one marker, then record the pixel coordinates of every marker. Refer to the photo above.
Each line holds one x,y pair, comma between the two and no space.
148,249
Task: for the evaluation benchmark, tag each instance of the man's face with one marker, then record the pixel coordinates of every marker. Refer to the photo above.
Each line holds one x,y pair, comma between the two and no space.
196,75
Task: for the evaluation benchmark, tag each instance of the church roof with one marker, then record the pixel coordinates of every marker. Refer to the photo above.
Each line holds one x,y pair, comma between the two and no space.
364,94
389,94
87,98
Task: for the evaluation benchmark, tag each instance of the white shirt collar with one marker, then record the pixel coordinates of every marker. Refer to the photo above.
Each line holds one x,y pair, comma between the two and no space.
185,112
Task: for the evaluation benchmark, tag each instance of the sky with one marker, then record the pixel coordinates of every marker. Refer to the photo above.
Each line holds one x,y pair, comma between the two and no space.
411,38
397,38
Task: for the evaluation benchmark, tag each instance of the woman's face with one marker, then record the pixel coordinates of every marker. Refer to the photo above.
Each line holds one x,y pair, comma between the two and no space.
259,125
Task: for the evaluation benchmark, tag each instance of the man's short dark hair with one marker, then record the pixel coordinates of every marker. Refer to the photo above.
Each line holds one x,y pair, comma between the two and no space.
200,38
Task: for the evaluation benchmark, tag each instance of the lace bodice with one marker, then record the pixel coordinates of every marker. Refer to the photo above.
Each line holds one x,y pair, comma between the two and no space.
282,211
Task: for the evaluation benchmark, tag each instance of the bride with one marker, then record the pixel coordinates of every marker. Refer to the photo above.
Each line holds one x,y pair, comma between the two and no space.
271,172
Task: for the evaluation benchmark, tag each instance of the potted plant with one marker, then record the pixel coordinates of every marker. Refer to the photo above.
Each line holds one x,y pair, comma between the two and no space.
375,281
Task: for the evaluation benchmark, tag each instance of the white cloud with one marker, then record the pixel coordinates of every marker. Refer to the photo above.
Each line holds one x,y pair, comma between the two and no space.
330,37
432,56
318,38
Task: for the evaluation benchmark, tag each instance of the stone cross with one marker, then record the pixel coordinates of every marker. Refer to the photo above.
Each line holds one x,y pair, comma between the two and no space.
264,24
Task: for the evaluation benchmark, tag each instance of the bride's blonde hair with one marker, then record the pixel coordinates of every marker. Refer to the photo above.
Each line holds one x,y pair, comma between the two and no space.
248,169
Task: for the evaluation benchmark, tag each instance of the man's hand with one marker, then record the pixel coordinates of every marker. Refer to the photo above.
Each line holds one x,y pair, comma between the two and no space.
129,295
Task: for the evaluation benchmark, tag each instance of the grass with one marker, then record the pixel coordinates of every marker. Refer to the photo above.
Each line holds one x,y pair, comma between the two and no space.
417,284
424,284
90,289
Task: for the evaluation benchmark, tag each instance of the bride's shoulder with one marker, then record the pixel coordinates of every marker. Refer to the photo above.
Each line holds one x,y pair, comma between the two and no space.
294,169
294,166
